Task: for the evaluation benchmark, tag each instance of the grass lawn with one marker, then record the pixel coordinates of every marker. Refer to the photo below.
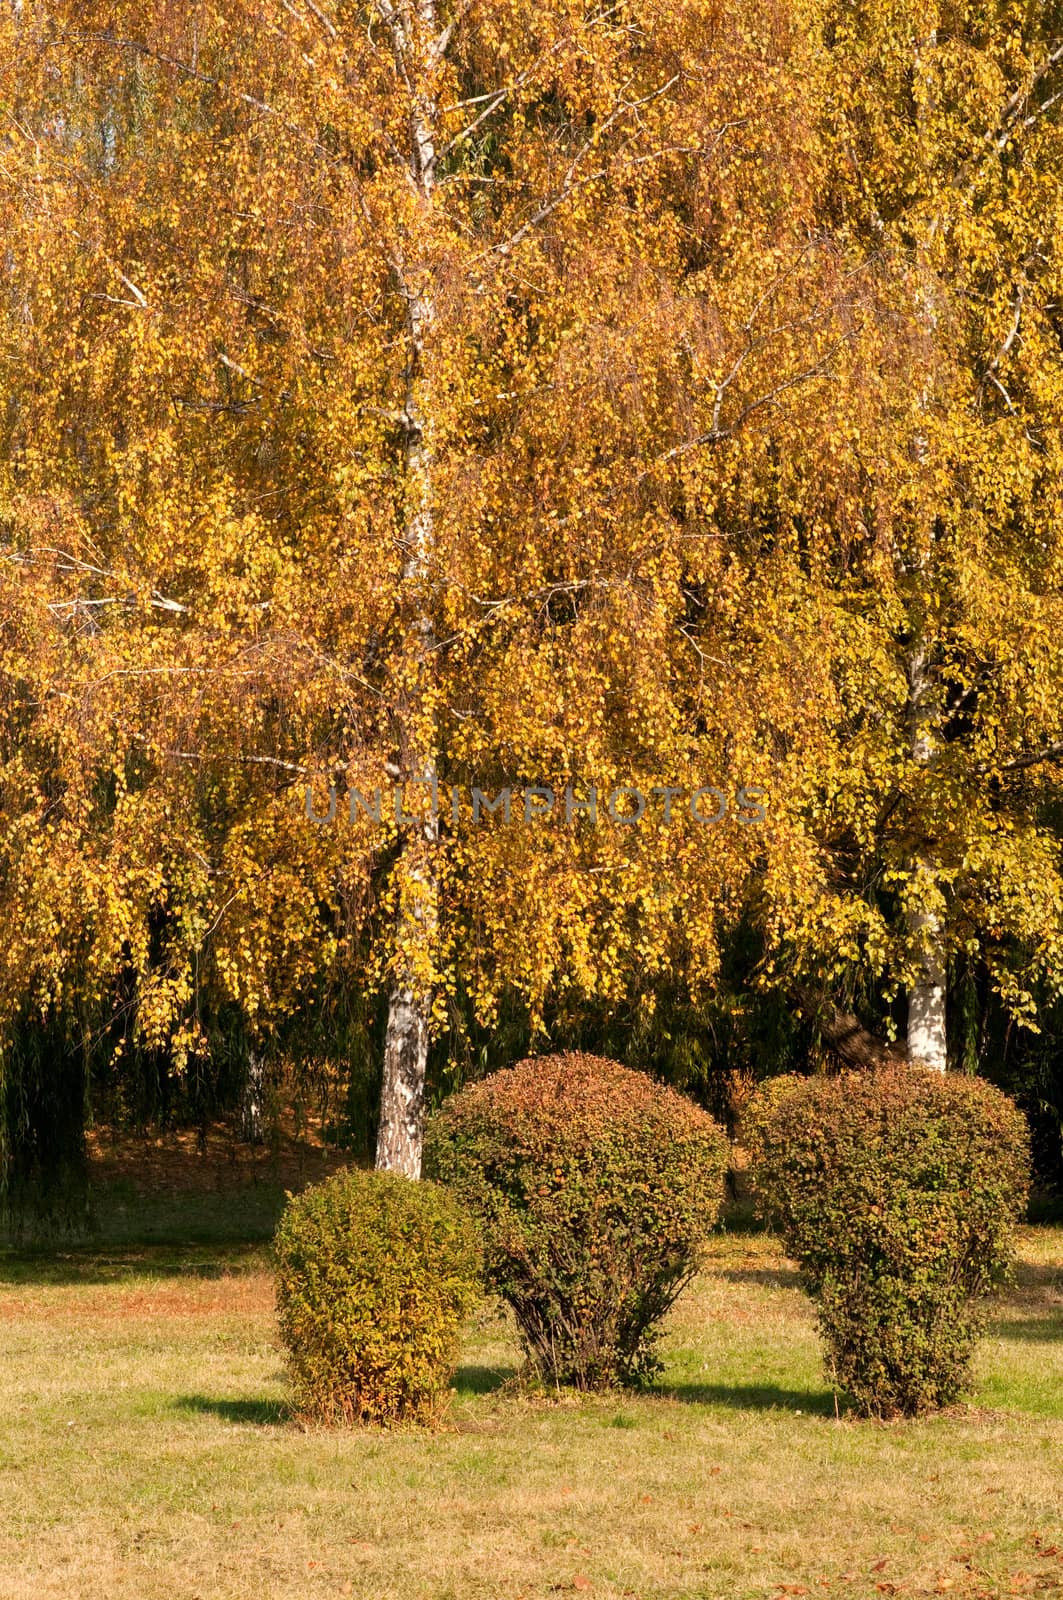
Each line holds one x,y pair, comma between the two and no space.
144,1452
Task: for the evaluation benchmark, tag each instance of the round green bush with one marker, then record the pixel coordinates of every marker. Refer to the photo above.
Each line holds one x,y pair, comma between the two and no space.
375,1273
897,1193
594,1187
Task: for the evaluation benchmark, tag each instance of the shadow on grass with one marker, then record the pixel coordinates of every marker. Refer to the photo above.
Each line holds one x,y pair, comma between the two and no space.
1031,1330
740,1216
93,1265
481,1380
1038,1275
125,1218
249,1413
768,1277
751,1397
1045,1207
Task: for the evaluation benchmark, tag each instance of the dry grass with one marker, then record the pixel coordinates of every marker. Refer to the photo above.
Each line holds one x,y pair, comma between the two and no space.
144,1453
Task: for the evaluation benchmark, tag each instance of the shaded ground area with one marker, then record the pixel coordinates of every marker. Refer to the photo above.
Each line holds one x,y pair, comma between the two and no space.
201,1186
145,1451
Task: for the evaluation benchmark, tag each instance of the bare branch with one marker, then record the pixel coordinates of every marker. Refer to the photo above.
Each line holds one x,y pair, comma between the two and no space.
1022,762
1005,348
1009,117
995,381
325,22
256,761
134,291
717,434
63,561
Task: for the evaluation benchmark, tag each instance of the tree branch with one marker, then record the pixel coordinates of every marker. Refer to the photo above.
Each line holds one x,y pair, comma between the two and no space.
498,97
570,183
1009,117
1022,762
846,1037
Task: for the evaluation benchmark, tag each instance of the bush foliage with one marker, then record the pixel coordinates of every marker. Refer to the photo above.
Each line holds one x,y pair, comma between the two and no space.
594,1186
375,1274
896,1192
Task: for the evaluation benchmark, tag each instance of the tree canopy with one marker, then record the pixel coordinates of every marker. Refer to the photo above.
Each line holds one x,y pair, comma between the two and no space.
411,398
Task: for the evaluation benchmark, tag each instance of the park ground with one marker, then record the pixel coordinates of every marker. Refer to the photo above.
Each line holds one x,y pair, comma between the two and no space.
145,1450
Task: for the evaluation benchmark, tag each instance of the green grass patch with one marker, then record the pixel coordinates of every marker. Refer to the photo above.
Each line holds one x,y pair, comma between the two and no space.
145,1450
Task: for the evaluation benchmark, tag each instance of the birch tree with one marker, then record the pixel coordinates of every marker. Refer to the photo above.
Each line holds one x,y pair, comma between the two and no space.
943,834
401,399
393,387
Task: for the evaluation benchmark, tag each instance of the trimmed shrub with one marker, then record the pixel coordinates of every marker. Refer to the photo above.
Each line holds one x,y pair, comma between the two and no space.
374,1275
594,1186
896,1192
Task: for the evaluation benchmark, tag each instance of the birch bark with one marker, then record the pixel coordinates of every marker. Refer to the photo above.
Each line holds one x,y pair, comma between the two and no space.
416,42
927,1038
926,1035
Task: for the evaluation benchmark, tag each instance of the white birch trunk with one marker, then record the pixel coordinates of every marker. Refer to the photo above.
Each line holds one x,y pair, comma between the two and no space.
927,1039
926,1036
253,1108
414,36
